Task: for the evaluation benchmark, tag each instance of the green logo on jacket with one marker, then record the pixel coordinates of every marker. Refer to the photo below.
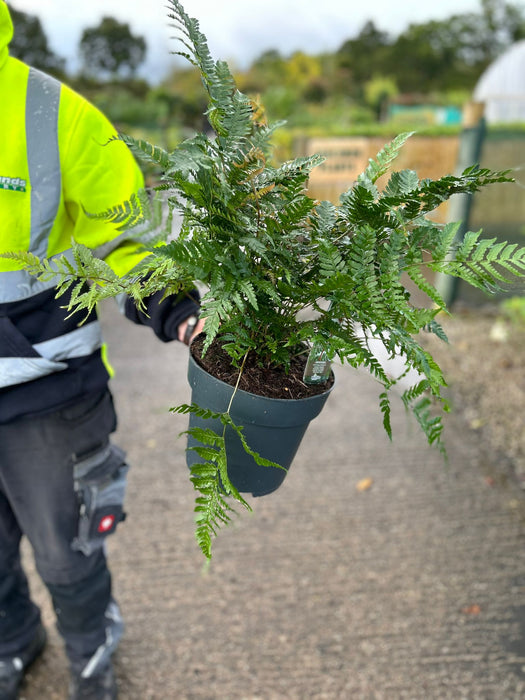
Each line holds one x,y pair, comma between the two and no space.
12,183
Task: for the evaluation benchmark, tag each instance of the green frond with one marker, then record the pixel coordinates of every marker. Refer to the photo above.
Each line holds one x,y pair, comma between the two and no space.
357,353
210,477
384,404
227,420
383,160
196,41
255,245
362,207
146,151
215,311
246,288
481,262
467,245
446,240
298,169
199,411
44,270
323,219
126,214
210,480
189,157
415,392
416,275
331,262
236,122
437,329
431,425
401,183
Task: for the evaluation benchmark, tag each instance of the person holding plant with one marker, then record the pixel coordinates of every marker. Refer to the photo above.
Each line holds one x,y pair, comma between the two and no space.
62,480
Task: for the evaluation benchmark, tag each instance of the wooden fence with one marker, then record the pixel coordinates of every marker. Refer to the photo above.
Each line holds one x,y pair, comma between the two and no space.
346,158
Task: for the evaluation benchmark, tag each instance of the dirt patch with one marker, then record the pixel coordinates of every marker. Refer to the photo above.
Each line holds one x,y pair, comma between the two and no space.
485,368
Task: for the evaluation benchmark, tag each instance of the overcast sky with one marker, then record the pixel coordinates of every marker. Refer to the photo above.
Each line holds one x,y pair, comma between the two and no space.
237,31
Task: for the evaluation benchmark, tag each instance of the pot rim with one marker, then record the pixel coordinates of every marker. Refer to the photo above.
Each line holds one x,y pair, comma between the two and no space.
288,402
210,392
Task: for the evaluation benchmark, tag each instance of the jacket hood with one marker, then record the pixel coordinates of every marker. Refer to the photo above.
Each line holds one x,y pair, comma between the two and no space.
6,31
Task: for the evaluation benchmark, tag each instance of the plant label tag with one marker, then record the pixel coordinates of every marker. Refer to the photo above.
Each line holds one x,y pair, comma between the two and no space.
318,366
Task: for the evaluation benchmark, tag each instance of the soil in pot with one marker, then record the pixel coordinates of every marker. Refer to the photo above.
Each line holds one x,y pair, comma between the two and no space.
271,382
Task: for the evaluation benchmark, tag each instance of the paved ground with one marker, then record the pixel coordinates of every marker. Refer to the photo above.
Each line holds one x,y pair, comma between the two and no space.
413,588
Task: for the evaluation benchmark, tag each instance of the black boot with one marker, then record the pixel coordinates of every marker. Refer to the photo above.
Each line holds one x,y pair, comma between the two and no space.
100,686
12,669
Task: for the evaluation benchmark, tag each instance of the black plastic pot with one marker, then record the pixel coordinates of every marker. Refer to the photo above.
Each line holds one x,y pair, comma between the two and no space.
272,427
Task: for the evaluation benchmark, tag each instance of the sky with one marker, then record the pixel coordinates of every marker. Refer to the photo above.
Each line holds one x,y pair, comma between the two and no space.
237,31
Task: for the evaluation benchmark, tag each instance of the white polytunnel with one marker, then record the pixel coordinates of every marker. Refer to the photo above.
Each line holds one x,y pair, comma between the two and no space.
502,87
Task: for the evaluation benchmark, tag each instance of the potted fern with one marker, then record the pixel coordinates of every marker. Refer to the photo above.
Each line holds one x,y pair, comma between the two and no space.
264,253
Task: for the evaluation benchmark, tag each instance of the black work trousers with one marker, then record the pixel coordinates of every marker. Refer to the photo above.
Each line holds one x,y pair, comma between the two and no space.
38,499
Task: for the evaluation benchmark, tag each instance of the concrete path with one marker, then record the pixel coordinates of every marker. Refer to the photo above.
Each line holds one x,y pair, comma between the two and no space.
411,589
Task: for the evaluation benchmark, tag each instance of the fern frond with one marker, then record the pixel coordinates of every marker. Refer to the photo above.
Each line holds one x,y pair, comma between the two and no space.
415,274
383,160
331,262
189,157
414,392
227,420
210,477
246,288
357,353
44,269
437,329
199,411
445,243
480,262
129,211
384,404
362,207
432,426
299,169
401,183
146,151
323,219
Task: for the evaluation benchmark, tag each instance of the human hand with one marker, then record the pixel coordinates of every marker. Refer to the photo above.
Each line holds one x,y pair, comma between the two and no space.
189,328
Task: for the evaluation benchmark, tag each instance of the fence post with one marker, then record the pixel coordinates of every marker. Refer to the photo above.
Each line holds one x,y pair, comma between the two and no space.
460,205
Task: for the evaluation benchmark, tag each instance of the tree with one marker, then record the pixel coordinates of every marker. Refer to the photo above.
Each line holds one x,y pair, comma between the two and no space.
110,50
182,94
366,55
500,24
378,91
265,72
301,69
428,57
452,54
30,44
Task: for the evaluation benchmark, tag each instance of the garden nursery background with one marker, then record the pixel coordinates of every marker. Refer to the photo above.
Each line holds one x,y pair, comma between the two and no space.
409,571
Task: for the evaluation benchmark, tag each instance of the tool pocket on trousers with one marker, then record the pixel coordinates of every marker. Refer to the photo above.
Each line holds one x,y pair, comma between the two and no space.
100,486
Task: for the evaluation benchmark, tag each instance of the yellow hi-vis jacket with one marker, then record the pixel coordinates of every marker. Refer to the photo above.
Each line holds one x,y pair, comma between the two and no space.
55,164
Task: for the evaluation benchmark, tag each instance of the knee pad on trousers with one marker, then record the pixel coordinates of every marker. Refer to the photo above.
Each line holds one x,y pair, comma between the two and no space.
80,606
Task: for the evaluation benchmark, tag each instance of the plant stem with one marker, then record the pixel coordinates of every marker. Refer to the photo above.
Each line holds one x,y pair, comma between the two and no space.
237,382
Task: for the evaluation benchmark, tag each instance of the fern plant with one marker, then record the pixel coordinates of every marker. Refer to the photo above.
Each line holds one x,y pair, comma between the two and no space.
265,251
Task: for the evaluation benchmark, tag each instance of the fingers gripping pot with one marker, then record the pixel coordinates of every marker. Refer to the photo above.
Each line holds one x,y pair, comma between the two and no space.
100,486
